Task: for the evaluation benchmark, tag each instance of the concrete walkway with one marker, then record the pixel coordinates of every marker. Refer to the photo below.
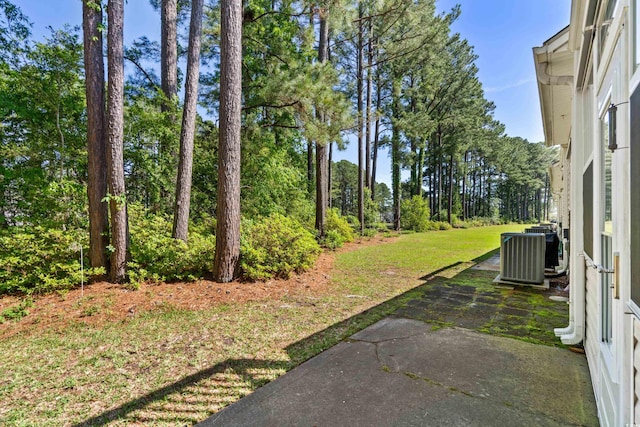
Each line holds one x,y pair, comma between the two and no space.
407,371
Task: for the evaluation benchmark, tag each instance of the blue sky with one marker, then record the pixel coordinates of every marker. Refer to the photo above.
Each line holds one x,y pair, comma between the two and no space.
503,32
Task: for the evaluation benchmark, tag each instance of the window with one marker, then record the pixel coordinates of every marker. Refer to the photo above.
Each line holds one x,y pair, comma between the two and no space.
634,174
636,35
587,197
607,292
605,22
606,228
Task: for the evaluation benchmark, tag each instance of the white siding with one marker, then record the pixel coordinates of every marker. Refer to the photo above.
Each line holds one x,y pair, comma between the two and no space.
636,371
592,339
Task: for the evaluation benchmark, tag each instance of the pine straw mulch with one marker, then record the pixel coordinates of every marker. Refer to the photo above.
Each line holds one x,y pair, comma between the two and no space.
102,302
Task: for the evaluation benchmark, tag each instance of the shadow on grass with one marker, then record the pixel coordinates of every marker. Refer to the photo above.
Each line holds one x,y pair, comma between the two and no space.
231,379
486,256
230,376
197,396
433,274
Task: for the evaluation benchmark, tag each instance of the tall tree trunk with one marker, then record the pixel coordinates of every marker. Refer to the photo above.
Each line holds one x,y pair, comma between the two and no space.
432,176
413,173
310,166
434,186
450,183
187,134
376,135
487,186
96,143
321,149
439,196
419,171
169,85
321,188
413,146
169,53
310,180
115,134
464,187
480,207
395,154
547,192
474,194
360,77
367,145
330,175
228,212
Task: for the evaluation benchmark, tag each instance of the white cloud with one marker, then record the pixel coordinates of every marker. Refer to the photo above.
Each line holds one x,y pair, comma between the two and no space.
519,83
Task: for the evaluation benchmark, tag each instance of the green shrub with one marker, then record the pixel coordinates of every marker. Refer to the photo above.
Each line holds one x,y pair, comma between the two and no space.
353,221
442,225
276,246
433,225
371,210
463,224
39,260
338,230
303,211
382,227
156,256
205,226
369,232
476,222
414,214
332,240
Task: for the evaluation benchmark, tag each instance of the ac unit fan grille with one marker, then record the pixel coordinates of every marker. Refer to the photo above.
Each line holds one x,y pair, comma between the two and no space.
522,257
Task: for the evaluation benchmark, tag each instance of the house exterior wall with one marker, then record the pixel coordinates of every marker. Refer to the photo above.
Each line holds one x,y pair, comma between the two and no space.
603,38
606,353
634,400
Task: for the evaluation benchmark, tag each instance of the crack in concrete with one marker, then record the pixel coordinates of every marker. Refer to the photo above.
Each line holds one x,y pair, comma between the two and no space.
381,358
385,340
435,383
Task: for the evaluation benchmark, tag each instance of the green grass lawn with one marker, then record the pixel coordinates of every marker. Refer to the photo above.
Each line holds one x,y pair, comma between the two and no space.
171,366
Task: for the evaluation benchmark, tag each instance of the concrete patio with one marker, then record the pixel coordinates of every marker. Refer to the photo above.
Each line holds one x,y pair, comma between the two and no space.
466,352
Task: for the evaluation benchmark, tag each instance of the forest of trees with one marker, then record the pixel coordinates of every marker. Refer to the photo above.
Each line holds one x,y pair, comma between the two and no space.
164,173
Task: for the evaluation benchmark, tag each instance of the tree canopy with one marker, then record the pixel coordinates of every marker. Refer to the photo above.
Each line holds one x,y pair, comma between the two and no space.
314,77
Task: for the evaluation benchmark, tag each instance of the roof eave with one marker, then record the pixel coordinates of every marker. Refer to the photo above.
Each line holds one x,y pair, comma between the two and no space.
554,71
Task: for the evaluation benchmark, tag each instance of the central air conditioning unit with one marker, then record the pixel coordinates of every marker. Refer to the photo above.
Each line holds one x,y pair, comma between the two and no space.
538,229
522,257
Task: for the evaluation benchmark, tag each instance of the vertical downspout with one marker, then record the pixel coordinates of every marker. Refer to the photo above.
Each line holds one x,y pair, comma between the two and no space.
575,332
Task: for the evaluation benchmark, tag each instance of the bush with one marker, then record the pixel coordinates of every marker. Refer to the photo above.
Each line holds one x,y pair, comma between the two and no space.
303,211
338,230
156,256
332,240
353,221
371,210
38,260
442,225
276,246
414,214
369,232
463,224
381,227
476,222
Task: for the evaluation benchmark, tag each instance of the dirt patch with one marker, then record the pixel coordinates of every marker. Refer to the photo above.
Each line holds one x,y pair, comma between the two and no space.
100,303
